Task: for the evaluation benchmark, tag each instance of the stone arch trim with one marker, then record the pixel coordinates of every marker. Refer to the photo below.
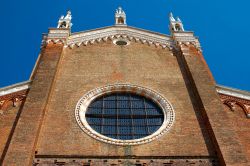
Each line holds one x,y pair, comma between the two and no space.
13,98
165,105
230,101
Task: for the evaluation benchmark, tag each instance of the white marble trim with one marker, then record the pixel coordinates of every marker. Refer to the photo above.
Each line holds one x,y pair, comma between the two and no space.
83,103
14,88
233,92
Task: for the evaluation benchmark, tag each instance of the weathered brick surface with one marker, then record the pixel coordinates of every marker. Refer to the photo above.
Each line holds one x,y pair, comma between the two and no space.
7,119
87,67
47,124
240,124
228,146
21,149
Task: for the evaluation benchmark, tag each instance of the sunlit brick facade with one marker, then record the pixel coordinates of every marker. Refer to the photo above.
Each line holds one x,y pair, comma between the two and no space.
40,119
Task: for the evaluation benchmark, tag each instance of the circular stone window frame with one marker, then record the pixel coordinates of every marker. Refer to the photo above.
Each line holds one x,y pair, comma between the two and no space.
122,40
164,104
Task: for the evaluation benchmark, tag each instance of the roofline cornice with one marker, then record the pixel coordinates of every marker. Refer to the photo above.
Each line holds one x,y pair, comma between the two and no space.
76,39
114,26
15,88
111,32
233,92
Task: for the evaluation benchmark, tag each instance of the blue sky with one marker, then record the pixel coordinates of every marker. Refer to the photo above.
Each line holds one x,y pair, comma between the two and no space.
222,27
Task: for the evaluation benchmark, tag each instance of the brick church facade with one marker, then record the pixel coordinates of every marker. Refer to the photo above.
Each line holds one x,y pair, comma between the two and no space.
48,120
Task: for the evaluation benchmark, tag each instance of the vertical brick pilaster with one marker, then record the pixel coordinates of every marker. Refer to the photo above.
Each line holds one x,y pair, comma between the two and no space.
201,84
21,147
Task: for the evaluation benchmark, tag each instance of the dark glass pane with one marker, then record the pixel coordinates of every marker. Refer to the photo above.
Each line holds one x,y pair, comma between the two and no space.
138,136
97,128
111,136
149,104
109,97
109,130
123,104
125,122
97,103
141,130
126,137
139,112
153,112
136,97
125,130
153,129
109,111
124,116
139,122
94,121
110,104
110,121
137,104
94,111
155,121
122,96
125,111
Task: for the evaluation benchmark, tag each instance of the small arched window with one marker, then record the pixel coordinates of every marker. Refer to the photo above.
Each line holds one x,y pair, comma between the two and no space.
63,24
120,20
177,27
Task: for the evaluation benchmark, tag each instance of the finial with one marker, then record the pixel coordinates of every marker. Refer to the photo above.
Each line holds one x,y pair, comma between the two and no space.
171,17
175,24
65,22
120,17
178,19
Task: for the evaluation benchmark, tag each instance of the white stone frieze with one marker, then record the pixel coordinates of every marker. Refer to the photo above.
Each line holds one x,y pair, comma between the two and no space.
119,32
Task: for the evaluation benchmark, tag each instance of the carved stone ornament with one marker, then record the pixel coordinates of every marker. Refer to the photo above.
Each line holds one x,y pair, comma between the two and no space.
103,34
83,103
127,33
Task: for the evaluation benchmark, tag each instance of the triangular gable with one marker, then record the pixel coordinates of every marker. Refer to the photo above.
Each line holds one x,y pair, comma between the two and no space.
113,32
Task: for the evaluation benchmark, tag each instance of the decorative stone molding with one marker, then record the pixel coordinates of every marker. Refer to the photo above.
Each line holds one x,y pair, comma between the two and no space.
56,36
14,88
232,102
233,92
15,99
186,38
83,103
40,160
121,42
13,94
62,36
115,32
232,97
103,34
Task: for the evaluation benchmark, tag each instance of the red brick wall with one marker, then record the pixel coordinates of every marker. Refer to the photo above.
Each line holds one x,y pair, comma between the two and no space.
22,145
202,127
87,67
207,101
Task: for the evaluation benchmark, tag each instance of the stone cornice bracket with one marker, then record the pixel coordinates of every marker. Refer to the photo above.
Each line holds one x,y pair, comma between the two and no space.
185,39
60,34
56,36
